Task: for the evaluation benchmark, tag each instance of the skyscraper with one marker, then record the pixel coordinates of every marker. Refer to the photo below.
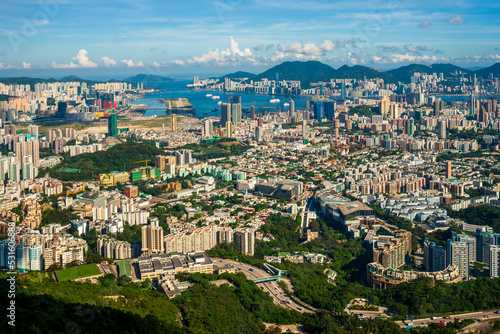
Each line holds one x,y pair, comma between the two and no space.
470,241
225,115
329,109
304,128
319,111
441,129
152,238
437,105
434,257
410,127
483,242
236,112
291,107
494,261
208,128
342,91
448,170
252,113
112,125
457,253
472,104
229,130
245,240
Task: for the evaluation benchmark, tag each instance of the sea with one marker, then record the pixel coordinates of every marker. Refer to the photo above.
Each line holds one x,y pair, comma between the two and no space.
205,106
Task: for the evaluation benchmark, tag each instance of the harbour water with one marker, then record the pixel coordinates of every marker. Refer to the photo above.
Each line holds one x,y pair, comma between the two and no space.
204,105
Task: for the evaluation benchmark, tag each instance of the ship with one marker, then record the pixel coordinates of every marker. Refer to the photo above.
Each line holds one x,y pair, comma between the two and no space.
286,104
219,103
275,101
215,97
208,95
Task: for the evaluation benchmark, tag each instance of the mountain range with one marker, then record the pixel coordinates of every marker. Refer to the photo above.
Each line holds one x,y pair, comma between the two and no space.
72,78
314,71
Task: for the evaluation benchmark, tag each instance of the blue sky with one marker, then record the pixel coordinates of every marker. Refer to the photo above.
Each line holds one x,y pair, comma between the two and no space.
118,38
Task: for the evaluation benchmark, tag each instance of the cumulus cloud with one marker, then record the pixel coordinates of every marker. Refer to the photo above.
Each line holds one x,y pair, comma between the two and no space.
155,64
108,62
269,47
6,67
410,48
425,24
26,65
130,63
422,48
81,61
258,47
229,56
457,19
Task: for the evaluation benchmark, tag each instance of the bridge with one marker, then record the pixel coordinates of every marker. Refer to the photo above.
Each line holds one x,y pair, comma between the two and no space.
277,273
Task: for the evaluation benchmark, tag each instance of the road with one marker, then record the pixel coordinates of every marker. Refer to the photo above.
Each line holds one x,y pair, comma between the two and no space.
279,296
476,315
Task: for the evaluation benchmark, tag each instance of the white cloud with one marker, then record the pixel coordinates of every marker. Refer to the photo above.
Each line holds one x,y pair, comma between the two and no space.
81,61
425,24
6,67
26,65
409,47
457,19
108,62
155,64
178,62
130,63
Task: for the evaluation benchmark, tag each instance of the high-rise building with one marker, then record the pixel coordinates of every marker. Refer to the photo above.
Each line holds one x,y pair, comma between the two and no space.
319,111
472,104
329,109
61,109
173,123
208,128
441,129
112,125
25,148
229,130
434,257
304,128
483,115
245,240
235,99
342,91
483,242
291,108
392,252
448,170
236,112
252,113
437,106
410,126
470,241
258,133
225,113
494,261
384,106
160,162
152,238
457,253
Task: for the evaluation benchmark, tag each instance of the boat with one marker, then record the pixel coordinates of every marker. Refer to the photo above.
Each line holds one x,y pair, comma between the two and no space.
215,97
219,103
286,104
208,95
275,101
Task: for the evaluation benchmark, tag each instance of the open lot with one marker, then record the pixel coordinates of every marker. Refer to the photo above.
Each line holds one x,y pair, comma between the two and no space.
77,272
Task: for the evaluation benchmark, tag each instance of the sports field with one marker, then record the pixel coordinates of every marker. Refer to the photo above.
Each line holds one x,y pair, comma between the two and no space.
77,272
124,268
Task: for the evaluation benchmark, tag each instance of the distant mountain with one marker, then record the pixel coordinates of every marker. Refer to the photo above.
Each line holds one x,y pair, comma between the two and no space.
148,78
306,72
237,75
404,73
485,72
25,80
360,72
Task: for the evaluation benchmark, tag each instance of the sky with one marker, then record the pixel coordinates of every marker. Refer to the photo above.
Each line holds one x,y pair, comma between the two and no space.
93,38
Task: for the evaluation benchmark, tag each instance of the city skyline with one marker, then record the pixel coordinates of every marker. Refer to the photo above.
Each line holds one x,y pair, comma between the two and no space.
123,37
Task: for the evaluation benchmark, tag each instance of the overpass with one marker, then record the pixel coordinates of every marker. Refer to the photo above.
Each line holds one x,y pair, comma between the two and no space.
277,273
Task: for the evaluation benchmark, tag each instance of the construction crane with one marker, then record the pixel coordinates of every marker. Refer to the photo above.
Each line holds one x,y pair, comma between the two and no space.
145,161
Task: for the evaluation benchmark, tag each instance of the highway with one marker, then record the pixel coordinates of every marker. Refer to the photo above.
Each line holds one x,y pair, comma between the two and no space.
481,316
280,297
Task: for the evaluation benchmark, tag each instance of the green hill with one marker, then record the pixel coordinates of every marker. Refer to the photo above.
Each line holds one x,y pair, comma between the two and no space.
360,72
118,158
237,75
306,72
148,78
485,72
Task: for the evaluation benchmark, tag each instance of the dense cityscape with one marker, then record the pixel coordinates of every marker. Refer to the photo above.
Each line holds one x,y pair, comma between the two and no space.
320,195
